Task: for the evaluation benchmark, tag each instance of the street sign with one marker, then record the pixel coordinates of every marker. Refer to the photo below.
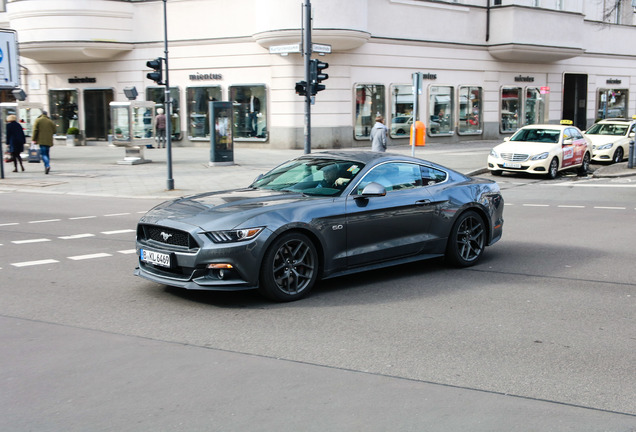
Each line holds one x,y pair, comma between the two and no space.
284,49
9,70
321,48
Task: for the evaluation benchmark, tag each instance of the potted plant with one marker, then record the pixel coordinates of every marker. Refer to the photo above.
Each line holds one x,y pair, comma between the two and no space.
73,137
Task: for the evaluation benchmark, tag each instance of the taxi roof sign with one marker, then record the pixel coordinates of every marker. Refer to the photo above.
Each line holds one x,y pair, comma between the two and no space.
567,122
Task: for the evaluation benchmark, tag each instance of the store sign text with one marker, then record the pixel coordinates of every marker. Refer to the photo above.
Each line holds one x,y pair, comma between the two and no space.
520,78
204,77
613,81
429,76
76,80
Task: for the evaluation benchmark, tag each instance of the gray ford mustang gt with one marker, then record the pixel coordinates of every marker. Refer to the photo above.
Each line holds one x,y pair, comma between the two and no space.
319,216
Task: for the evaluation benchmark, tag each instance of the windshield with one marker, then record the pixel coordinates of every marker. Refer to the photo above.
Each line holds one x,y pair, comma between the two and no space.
537,135
325,177
607,129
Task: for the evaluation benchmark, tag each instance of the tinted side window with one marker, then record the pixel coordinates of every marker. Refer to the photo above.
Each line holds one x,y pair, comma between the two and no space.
431,175
393,176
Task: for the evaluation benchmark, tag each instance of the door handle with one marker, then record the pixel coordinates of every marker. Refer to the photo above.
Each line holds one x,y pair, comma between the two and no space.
423,202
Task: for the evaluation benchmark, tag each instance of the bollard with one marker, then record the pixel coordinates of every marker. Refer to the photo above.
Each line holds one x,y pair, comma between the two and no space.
630,159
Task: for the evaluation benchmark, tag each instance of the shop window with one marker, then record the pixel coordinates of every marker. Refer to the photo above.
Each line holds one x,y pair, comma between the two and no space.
401,111
158,96
198,99
535,106
63,105
612,103
369,104
250,111
440,108
510,109
470,108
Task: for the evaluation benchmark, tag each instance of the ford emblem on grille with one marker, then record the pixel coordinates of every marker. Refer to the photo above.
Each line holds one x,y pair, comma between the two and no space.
165,236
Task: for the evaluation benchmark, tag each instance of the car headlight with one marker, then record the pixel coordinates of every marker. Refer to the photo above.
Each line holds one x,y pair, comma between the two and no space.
540,156
605,146
236,235
494,154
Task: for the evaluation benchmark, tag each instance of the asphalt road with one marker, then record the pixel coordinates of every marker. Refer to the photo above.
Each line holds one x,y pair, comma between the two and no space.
539,336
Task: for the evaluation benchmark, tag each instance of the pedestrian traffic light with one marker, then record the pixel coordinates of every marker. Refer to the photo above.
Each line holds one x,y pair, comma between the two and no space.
301,88
157,66
316,75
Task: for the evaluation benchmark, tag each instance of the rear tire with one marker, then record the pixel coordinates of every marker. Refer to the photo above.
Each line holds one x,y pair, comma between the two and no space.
467,240
585,165
290,268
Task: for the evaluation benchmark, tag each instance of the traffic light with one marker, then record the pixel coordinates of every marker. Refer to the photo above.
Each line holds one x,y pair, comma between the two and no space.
316,75
157,66
301,88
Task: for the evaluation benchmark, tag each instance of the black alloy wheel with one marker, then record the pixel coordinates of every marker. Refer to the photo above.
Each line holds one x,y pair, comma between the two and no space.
553,169
467,240
585,165
290,268
618,155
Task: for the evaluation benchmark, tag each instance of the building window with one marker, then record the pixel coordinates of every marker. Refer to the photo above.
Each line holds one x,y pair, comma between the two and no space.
535,106
470,108
158,96
250,111
612,103
198,99
401,111
510,108
440,108
369,104
63,105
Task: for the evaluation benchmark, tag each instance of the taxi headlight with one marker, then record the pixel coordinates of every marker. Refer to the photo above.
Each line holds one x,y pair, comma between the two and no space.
494,154
540,156
605,146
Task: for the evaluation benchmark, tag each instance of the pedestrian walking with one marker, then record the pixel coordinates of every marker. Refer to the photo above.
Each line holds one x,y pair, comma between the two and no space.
43,131
15,140
378,135
160,128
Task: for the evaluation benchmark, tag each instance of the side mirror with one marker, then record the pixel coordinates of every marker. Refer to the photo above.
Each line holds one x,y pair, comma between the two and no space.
506,139
632,134
568,141
373,189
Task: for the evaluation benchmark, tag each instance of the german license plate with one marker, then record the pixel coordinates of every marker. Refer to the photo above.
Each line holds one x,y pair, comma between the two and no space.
511,165
153,257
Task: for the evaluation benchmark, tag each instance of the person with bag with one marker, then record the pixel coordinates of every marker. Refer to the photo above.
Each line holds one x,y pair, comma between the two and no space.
15,141
43,131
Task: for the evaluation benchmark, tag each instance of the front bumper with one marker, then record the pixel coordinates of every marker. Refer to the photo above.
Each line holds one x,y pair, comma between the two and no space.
529,166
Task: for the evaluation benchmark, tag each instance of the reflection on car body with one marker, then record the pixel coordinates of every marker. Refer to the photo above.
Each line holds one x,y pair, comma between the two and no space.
319,216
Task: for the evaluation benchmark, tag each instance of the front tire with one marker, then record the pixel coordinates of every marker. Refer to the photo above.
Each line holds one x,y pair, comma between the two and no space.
290,268
618,155
553,169
467,240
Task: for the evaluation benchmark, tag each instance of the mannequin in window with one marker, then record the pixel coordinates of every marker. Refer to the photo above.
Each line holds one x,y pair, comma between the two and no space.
253,109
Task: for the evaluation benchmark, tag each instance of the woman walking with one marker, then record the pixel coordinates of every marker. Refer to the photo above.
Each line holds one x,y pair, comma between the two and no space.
15,141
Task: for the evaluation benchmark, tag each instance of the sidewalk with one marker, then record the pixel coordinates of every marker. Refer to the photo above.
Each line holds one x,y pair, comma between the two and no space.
93,169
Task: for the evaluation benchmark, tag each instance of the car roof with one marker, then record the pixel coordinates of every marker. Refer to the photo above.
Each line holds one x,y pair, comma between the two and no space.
547,126
615,120
363,156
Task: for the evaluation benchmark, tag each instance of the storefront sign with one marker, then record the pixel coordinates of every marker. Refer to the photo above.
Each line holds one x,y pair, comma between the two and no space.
205,76
76,80
429,76
613,81
520,78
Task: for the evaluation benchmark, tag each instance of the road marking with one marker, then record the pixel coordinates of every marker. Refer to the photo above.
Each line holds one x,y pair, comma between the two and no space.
571,206
536,205
127,251
571,184
118,231
116,214
32,263
90,256
76,236
610,208
82,217
10,224
40,240
45,221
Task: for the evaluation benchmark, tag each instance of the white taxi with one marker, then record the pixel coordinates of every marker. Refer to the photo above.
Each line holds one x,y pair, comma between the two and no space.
542,149
610,139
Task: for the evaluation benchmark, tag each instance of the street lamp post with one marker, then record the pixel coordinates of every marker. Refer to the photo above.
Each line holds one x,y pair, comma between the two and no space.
168,101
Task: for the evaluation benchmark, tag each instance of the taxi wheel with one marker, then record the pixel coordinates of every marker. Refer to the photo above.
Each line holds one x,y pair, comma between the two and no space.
618,155
496,172
553,170
585,166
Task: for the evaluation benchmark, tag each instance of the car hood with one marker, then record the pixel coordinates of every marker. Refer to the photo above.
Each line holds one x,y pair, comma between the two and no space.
598,140
221,210
525,147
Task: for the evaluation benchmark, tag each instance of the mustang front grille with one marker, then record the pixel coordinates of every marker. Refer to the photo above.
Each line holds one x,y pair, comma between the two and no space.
166,236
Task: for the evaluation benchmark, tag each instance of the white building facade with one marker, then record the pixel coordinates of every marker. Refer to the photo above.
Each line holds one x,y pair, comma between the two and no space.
488,66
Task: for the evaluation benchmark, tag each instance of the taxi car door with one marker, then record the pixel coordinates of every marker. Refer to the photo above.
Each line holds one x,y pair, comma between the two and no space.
392,226
574,147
